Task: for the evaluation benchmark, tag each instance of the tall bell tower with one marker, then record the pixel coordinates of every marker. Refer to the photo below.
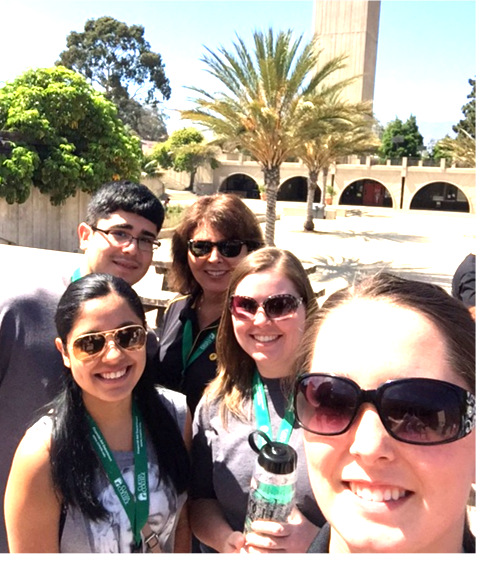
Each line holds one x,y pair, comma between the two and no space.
350,28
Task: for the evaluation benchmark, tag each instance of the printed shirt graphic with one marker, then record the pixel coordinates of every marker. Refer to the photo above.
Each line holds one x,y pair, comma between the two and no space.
114,535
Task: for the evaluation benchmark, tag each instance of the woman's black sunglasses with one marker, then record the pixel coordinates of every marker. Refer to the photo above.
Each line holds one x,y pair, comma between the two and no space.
414,410
227,248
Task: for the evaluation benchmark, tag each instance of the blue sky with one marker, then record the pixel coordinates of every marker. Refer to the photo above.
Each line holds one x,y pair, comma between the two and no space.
426,49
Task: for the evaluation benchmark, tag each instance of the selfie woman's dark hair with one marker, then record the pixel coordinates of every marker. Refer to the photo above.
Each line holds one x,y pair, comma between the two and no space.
73,460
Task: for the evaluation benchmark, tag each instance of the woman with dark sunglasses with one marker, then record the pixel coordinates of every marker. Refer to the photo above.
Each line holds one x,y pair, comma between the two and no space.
270,303
105,469
387,404
216,233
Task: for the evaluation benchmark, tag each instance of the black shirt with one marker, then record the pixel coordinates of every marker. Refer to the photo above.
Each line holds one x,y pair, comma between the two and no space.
170,371
463,283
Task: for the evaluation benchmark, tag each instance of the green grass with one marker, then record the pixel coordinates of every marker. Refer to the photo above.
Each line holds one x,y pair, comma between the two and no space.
173,216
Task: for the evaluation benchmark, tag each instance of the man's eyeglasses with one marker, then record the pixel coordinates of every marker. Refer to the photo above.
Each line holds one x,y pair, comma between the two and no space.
419,411
127,338
121,238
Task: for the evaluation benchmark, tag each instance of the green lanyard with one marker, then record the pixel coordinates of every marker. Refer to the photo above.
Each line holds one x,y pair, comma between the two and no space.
76,275
136,508
263,417
188,357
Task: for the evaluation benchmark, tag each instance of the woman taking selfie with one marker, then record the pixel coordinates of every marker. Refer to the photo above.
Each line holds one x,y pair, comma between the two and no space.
216,233
270,303
388,411
106,469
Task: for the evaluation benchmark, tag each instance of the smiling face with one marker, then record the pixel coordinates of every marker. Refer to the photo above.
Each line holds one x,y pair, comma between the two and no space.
273,344
213,271
380,494
103,256
110,376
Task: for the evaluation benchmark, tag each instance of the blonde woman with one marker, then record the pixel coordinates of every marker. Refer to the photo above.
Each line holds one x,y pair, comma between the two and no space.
270,303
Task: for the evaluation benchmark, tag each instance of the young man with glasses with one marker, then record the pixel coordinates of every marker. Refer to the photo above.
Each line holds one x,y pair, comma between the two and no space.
118,237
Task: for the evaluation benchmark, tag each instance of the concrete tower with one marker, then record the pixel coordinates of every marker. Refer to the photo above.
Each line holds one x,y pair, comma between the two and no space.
350,28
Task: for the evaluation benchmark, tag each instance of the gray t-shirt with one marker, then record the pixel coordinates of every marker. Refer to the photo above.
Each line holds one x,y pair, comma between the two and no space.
223,461
30,365
114,534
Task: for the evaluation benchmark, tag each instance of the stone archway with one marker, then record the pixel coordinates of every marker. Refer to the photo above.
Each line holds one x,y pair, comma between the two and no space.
440,196
366,192
240,184
295,189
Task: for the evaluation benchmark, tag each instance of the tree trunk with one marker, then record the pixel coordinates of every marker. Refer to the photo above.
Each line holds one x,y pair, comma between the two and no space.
272,183
192,180
312,184
323,196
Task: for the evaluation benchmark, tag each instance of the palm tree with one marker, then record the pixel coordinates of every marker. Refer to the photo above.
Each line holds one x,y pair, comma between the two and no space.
266,106
349,135
461,150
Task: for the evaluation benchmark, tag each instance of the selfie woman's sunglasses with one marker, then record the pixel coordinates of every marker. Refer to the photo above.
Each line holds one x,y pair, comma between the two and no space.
127,338
276,307
227,248
414,410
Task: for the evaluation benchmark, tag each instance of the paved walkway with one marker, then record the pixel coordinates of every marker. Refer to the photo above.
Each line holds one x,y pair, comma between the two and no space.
422,245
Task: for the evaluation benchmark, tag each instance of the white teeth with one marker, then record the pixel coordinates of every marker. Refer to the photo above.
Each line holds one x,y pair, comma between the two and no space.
114,375
377,495
265,339
216,273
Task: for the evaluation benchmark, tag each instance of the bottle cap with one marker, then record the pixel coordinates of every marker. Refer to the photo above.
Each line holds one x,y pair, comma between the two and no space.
274,457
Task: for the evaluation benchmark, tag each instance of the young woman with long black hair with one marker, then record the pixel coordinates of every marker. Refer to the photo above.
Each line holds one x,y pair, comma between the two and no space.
106,468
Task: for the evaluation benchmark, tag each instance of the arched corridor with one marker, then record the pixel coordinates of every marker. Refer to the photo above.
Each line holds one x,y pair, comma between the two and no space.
442,197
295,189
366,192
241,184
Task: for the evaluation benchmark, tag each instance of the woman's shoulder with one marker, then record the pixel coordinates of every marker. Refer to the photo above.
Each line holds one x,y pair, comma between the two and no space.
34,448
175,402
178,303
40,431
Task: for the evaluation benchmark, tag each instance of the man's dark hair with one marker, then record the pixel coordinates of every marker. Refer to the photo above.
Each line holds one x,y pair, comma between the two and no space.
125,196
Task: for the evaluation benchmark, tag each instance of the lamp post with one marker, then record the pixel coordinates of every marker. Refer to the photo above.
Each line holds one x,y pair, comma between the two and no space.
398,140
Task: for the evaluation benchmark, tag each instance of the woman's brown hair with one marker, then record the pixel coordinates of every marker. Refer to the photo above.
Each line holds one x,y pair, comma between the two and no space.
450,316
227,214
233,383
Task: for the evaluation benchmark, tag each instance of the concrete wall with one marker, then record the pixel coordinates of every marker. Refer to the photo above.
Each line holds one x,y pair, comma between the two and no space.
343,175
37,223
350,28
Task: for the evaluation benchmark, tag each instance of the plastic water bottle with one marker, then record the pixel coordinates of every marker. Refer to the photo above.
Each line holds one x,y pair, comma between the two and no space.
272,489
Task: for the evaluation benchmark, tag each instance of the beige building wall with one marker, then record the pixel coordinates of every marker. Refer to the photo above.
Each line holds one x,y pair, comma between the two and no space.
351,29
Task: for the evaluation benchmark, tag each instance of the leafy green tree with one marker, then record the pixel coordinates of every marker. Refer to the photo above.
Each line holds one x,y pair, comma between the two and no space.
116,57
401,139
467,125
186,151
265,108
65,136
